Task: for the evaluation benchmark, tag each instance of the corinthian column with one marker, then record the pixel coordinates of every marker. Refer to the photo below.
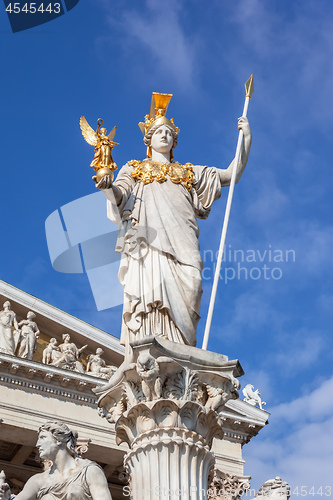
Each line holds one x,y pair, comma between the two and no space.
169,448
165,403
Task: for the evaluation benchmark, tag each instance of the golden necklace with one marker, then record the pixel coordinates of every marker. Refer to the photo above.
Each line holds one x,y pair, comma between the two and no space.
147,171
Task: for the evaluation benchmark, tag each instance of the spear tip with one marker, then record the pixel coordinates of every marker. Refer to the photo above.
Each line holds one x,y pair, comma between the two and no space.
249,87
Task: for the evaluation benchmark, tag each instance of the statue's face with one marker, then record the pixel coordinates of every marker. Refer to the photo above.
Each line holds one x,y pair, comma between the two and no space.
47,446
162,140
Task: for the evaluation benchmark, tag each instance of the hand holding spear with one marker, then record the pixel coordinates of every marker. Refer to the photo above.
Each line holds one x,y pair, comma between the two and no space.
249,91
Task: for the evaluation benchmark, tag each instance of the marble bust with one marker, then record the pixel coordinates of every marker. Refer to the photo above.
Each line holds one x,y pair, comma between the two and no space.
69,477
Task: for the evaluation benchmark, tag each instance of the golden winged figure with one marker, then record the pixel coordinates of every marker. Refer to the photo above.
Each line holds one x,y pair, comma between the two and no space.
103,144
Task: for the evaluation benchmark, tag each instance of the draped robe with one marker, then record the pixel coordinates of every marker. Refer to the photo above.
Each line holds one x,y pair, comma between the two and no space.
161,266
73,488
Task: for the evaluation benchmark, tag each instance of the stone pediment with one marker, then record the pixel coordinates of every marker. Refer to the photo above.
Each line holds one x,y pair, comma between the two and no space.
53,323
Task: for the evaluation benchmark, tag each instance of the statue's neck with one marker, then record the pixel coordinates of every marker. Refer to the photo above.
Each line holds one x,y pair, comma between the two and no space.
63,462
160,157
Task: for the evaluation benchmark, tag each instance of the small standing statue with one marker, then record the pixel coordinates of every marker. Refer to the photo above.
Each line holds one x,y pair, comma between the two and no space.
29,334
96,365
8,337
102,162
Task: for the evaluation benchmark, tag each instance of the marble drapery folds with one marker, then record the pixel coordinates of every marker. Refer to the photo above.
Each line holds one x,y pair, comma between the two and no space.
161,266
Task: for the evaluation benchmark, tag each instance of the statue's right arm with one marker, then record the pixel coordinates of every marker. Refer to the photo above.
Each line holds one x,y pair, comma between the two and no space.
105,185
30,490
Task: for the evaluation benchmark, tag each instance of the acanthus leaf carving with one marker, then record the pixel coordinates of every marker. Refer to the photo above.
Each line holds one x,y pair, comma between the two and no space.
133,393
227,487
149,375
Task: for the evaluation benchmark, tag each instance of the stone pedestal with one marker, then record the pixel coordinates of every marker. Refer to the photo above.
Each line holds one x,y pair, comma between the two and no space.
165,402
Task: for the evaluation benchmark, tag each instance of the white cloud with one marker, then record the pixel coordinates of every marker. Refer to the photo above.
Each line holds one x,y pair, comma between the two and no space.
154,32
315,406
299,447
313,242
290,55
298,350
325,303
269,205
252,311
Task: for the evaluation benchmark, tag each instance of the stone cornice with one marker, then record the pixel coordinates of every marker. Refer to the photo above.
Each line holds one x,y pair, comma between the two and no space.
50,379
242,421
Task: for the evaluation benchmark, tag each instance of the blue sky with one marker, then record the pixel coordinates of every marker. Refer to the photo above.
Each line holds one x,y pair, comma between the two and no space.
103,59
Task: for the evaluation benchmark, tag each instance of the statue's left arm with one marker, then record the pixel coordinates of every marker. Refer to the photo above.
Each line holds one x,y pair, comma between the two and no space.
15,322
97,483
225,174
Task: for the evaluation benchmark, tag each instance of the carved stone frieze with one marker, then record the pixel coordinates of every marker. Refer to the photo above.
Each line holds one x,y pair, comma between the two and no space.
35,376
17,338
67,355
21,339
226,487
150,375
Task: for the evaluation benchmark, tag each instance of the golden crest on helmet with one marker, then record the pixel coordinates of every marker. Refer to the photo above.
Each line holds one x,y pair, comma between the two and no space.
158,108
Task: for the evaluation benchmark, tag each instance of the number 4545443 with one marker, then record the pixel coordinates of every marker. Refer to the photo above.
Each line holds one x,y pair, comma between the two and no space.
33,7
304,491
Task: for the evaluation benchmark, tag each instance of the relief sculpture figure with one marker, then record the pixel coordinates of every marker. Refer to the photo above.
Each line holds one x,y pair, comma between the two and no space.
29,333
51,352
156,203
69,355
98,367
8,336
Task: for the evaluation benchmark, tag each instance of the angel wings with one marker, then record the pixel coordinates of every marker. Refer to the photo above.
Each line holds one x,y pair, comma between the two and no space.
89,133
102,143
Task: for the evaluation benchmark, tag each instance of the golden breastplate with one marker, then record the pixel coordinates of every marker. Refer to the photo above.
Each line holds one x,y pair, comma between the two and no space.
148,171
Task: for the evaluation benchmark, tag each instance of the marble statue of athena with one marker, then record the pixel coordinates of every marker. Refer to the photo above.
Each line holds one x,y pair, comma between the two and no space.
156,203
